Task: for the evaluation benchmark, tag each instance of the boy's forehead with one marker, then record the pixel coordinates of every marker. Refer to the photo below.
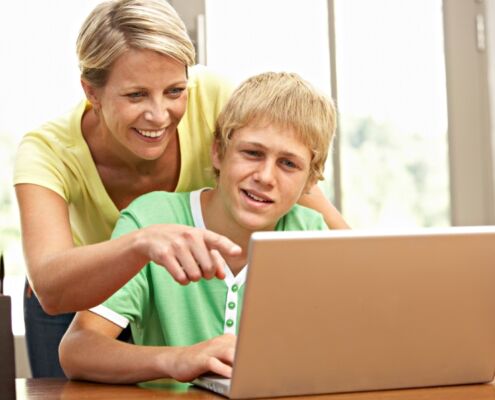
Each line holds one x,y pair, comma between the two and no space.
271,128
278,137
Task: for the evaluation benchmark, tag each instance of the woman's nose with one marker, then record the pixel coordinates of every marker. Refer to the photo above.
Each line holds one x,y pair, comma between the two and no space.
158,114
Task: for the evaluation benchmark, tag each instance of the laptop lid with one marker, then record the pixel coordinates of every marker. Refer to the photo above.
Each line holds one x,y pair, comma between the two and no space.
348,311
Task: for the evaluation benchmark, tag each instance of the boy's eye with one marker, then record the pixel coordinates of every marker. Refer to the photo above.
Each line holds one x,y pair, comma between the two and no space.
252,153
289,164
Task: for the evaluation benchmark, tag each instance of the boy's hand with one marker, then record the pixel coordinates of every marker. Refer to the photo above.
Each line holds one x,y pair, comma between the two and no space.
187,253
215,355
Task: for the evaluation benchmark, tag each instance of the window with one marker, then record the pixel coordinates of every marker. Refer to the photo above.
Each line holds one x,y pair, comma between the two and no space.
393,112
414,143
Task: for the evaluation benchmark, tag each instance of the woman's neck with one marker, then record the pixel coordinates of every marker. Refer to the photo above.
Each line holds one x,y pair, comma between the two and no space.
124,175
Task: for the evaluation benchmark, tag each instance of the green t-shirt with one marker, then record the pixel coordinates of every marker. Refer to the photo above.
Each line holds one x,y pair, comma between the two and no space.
163,312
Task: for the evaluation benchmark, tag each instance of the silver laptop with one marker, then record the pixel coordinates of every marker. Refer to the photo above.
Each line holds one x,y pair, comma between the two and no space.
345,311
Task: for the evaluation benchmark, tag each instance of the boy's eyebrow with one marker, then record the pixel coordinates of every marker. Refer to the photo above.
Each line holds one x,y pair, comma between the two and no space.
283,153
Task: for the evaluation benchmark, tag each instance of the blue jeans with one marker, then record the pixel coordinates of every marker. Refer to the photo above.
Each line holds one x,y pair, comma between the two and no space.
43,335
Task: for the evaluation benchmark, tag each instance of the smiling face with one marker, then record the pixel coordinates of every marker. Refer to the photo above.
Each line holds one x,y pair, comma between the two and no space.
141,104
262,174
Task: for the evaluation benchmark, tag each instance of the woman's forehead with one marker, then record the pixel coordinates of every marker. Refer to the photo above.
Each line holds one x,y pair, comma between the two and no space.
144,67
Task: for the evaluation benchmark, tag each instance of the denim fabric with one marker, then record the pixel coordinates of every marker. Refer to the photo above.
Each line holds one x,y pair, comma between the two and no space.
43,335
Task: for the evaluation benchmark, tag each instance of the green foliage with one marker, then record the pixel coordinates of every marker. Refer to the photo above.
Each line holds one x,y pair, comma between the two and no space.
392,178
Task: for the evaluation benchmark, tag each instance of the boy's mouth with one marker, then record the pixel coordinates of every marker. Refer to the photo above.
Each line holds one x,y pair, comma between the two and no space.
257,197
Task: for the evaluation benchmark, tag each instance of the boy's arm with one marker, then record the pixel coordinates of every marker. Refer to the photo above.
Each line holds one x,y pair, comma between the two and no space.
316,200
90,351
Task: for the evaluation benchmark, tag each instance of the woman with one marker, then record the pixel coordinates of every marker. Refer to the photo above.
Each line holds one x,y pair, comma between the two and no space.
146,125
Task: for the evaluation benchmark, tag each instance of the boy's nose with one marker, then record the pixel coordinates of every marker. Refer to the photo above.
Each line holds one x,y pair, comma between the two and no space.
265,173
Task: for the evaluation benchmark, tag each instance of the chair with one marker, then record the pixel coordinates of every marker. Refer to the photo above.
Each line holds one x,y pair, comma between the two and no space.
7,361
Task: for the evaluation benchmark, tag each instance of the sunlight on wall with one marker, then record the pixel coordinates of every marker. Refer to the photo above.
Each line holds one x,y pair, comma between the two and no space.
249,37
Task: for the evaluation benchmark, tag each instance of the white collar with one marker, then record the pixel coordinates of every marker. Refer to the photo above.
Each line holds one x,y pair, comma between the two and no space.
199,222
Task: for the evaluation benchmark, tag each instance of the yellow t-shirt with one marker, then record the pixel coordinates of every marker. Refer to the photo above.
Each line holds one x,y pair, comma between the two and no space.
57,157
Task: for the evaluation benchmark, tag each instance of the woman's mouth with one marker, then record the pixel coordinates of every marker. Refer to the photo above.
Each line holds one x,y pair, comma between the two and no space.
151,134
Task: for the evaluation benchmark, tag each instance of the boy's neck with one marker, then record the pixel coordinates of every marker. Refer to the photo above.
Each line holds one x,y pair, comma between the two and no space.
217,220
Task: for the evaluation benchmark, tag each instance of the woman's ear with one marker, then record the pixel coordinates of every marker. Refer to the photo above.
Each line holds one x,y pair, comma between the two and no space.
91,94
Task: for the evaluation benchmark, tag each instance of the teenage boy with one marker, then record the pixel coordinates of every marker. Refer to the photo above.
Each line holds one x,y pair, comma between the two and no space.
270,146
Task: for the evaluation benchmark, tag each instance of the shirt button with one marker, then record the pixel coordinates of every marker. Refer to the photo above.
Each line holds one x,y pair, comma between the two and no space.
235,288
231,305
230,323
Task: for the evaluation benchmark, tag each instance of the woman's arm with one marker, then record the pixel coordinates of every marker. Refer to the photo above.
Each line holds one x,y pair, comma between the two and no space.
68,278
316,200
90,351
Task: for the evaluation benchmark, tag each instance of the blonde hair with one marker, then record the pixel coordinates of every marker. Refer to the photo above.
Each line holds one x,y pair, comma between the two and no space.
286,100
116,26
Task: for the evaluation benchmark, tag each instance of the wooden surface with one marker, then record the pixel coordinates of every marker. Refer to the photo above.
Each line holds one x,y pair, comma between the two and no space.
48,389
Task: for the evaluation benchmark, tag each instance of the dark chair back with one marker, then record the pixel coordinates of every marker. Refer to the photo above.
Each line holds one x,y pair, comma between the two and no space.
7,361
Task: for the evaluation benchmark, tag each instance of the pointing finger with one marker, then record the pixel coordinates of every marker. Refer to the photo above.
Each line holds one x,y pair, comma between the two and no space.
219,264
222,244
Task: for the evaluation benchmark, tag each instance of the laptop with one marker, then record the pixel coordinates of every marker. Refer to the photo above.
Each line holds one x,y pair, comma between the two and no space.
346,311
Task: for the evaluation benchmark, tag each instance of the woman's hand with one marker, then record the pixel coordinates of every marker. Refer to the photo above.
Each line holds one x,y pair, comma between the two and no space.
215,355
187,253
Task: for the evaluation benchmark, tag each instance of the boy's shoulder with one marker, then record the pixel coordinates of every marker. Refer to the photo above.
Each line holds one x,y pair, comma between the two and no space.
301,218
160,207
158,197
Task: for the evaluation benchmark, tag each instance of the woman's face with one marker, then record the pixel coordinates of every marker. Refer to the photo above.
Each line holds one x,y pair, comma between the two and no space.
142,103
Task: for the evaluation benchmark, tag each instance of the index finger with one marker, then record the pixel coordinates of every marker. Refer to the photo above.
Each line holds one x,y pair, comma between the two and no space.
224,245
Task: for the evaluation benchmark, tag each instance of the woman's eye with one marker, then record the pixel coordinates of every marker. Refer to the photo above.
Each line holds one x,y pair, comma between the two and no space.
135,95
176,92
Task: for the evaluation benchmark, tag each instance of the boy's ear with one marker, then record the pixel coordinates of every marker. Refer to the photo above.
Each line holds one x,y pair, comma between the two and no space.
215,154
309,185
91,93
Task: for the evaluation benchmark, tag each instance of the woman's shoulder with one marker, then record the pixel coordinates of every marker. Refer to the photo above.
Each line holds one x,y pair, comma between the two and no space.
55,155
208,92
201,74
63,131
207,81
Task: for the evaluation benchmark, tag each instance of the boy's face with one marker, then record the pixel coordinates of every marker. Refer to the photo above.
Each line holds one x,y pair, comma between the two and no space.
263,173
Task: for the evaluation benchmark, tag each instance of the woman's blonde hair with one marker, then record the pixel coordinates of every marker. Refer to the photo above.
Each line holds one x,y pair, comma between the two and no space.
285,100
116,26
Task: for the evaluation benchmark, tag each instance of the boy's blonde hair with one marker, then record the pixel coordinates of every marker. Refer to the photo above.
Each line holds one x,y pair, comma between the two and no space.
286,100
116,26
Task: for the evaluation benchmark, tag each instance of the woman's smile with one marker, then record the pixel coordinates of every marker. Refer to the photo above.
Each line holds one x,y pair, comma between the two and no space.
154,134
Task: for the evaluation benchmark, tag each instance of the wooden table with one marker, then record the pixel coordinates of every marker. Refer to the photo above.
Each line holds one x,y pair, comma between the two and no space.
48,389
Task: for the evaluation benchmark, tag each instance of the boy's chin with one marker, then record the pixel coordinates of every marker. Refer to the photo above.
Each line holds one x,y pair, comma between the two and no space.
255,225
